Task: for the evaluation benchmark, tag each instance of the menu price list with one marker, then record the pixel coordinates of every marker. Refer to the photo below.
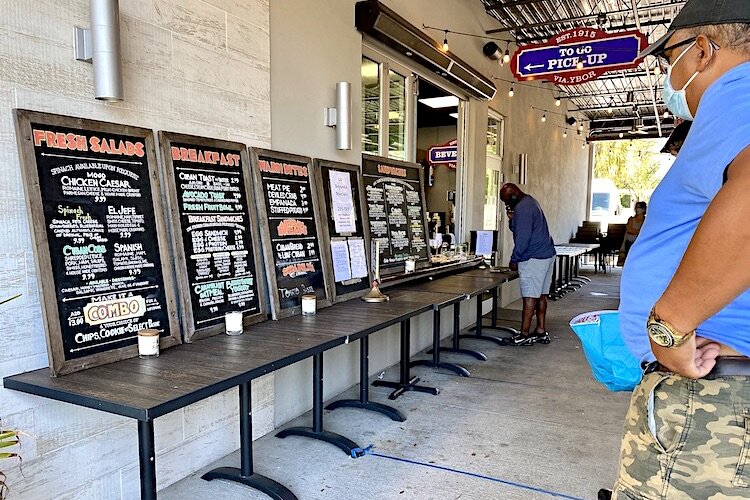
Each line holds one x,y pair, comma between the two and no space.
394,206
99,217
287,196
215,226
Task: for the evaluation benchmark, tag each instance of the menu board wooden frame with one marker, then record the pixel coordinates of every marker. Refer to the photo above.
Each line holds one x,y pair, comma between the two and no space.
187,315
277,311
33,190
325,213
396,267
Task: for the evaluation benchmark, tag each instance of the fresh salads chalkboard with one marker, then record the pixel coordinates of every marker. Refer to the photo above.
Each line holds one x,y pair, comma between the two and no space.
288,213
103,263
212,210
394,193
341,194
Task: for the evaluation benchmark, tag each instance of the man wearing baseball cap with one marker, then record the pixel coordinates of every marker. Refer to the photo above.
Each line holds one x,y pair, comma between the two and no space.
685,298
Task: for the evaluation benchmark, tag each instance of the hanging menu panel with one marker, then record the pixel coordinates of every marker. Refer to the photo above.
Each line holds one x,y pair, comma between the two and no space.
94,203
210,196
340,189
291,238
395,208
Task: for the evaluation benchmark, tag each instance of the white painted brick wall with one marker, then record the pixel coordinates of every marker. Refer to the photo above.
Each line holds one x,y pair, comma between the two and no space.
190,66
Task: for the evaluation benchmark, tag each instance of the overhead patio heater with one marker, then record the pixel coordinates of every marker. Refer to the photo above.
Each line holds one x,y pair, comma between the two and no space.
381,23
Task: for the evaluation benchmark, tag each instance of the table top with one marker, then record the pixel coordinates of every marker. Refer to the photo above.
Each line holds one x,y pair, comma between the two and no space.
148,388
469,283
570,251
589,246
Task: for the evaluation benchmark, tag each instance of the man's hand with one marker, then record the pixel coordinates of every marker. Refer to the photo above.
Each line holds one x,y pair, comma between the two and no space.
513,266
695,359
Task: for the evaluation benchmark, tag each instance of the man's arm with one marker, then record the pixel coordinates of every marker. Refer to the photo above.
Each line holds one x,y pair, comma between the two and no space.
523,220
714,271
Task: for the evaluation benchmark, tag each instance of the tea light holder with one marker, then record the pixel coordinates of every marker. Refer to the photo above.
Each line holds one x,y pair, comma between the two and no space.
409,266
148,343
233,323
309,302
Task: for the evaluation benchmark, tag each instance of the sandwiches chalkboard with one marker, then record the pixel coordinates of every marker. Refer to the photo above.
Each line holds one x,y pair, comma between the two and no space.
394,192
212,212
345,240
103,267
288,214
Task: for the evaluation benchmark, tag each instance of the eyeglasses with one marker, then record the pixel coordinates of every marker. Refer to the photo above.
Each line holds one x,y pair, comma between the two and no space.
662,58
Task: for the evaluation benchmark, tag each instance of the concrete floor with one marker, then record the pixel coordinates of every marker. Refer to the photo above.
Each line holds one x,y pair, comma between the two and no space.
531,423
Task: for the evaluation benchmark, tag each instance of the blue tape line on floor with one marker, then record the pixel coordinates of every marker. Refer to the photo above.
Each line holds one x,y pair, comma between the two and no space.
479,476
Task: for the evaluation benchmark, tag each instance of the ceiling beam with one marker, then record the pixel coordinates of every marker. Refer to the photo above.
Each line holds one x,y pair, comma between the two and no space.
620,27
600,94
511,3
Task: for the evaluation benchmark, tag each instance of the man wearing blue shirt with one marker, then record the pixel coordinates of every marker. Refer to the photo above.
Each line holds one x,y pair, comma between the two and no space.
685,303
533,257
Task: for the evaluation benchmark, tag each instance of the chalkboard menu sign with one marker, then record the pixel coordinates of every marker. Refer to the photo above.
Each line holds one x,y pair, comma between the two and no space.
287,208
212,208
394,191
340,190
94,202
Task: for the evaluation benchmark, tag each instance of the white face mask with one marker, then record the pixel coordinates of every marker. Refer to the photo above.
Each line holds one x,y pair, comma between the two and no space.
676,100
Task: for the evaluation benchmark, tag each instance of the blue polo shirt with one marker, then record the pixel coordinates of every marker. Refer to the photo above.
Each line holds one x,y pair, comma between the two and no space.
530,232
721,131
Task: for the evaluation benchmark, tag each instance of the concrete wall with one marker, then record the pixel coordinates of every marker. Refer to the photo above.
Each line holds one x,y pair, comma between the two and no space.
191,66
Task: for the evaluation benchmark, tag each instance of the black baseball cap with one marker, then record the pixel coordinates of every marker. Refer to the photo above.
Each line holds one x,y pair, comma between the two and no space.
703,13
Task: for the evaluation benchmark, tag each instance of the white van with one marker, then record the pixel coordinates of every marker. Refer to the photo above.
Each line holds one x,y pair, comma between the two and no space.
605,201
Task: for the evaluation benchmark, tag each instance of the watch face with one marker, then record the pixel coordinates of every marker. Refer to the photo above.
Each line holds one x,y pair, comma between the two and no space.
660,334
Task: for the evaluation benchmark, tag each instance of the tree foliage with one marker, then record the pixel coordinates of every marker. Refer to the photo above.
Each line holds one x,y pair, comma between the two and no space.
631,165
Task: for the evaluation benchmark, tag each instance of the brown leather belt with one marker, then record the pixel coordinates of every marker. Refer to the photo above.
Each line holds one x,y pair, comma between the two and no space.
726,366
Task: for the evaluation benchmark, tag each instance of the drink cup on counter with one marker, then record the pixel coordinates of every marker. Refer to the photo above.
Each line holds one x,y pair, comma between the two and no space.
233,323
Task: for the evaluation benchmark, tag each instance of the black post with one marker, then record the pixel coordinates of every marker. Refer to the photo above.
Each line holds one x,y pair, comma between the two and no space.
494,307
364,370
147,459
479,315
318,392
456,324
405,334
436,336
246,430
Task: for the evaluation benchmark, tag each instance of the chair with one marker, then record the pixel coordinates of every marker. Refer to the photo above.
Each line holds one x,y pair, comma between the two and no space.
612,241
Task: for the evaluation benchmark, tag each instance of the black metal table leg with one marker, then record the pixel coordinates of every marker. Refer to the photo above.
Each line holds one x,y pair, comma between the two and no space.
493,317
456,347
435,361
245,475
364,389
316,431
478,335
147,459
406,382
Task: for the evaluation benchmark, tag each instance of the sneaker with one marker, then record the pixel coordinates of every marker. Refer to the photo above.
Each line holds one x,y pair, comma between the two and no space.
541,338
520,340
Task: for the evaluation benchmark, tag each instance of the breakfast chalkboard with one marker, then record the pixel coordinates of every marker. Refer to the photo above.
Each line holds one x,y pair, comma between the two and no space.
394,193
212,211
93,195
287,209
341,195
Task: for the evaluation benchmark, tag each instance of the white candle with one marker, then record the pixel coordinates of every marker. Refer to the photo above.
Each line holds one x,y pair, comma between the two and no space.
148,343
377,260
409,266
233,323
308,304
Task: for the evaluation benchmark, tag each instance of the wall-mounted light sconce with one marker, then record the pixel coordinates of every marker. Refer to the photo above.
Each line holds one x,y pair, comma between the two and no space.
340,117
101,46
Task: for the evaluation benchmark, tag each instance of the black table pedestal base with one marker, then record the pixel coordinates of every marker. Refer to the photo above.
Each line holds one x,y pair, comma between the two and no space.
343,443
401,388
466,352
256,481
364,403
386,410
453,367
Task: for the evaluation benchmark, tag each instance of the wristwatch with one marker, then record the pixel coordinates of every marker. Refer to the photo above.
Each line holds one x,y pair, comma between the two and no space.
663,333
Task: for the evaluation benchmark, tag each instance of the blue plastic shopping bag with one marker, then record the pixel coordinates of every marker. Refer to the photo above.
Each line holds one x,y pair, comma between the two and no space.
611,362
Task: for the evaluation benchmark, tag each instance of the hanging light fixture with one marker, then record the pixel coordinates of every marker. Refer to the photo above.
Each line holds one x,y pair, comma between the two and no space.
445,42
506,56
511,92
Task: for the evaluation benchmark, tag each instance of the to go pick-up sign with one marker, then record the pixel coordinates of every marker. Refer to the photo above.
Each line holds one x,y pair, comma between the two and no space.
578,56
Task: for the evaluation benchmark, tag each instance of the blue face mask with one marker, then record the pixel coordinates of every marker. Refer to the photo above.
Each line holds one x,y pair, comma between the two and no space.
676,100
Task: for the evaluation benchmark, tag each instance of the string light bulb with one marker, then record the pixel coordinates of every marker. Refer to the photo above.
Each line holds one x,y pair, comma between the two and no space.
445,42
544,117
506,56
583,146
579,65
657,69
666,114
558,101
511,92
565,133
622,135
580,127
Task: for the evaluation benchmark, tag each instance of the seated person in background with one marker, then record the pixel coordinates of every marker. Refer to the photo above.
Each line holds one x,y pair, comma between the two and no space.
632,230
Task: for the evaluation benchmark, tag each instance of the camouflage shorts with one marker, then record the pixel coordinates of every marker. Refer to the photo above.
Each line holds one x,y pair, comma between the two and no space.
693,444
